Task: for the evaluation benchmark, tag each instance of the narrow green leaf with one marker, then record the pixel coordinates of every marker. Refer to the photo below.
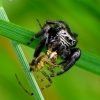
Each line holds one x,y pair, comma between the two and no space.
89,62
21,56
15,32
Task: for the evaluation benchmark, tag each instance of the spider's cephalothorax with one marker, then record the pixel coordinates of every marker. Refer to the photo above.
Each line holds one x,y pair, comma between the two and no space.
66,39
63,42
58,36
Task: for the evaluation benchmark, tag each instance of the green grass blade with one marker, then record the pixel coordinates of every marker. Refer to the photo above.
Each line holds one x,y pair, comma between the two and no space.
15,32
23,61
89,62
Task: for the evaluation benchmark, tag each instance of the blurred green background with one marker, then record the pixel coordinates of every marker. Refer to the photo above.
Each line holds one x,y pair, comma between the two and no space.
83,17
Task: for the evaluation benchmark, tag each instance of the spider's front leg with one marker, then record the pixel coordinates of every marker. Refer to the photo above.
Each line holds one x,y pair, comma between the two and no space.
35,36
45,29
39,49
70,62
43,41
75,56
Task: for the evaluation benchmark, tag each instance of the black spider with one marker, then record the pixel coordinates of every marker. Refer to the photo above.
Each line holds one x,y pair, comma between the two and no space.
58,36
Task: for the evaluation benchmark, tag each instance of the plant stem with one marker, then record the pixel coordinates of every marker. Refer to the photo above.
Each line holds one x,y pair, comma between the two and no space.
89,62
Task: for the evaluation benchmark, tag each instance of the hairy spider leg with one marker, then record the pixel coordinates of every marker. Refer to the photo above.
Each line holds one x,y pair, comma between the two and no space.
46,77
39,23
22,86
35,36
76,53
40,63
49,68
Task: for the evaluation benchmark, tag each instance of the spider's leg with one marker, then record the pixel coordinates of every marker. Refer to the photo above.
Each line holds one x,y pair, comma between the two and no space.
34,67
40,79
50,22
43,72
35,36
23,87
61,63
50,68
44,30
48,78
70,62
38,50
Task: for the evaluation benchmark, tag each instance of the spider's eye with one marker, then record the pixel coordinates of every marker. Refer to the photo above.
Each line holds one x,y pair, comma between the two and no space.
67,38
70,40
